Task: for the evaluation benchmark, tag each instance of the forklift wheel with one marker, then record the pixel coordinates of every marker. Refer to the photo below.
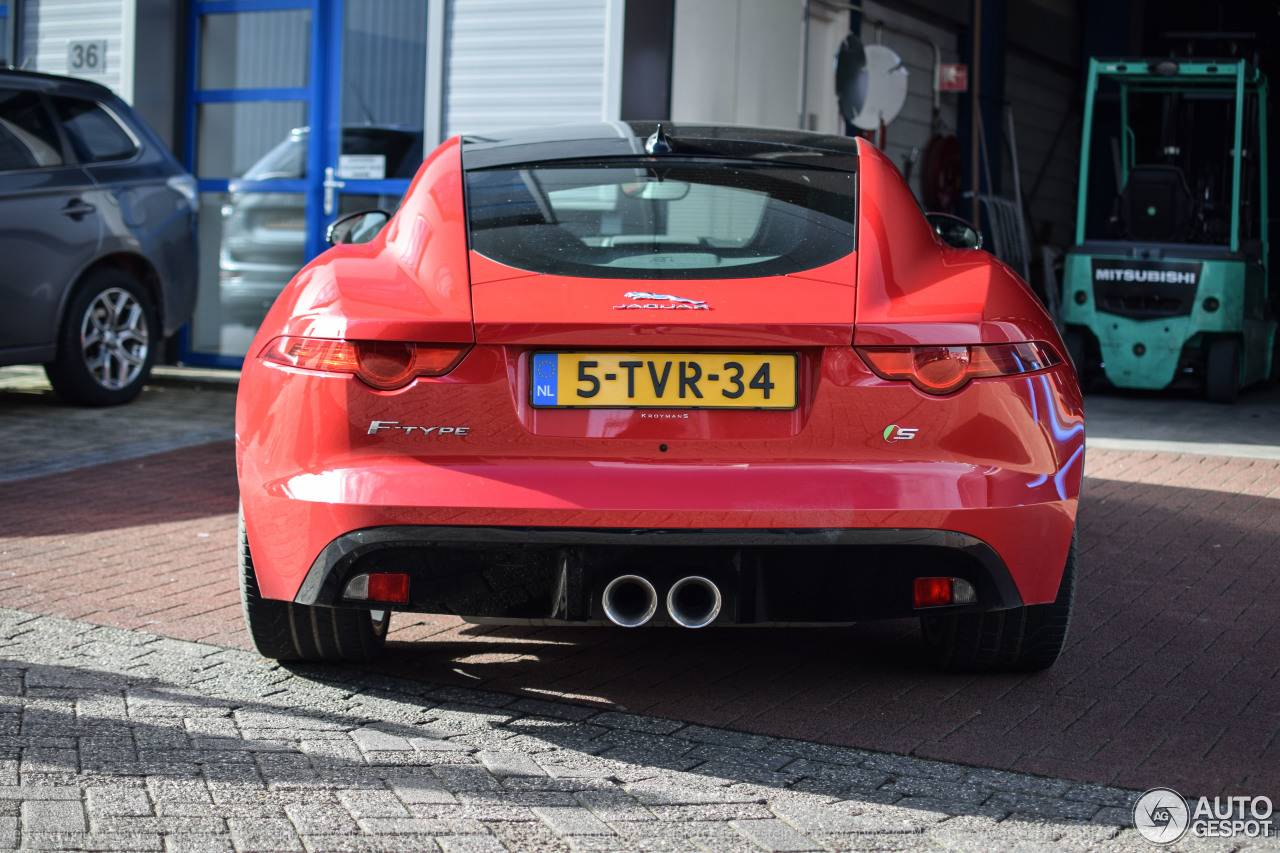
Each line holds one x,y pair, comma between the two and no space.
1222,372
1273,381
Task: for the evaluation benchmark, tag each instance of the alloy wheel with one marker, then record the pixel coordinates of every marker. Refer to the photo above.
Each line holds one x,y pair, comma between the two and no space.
114,338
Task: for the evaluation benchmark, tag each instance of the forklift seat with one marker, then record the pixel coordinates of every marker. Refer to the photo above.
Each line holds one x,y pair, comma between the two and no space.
1156,204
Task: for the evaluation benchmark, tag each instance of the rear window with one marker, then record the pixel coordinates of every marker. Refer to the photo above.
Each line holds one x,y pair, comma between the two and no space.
28,139
668,220
95,133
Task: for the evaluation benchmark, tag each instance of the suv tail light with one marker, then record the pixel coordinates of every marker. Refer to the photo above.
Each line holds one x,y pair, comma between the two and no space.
944,369
384,365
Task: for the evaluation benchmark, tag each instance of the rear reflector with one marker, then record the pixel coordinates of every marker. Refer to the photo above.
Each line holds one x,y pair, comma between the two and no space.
384,365
944,369
384,586
940,592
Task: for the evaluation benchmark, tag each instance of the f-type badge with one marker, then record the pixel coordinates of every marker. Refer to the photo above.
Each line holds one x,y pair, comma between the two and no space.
662,302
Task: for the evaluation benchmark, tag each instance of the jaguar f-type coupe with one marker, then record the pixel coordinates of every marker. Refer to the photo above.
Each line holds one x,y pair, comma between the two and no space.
634,375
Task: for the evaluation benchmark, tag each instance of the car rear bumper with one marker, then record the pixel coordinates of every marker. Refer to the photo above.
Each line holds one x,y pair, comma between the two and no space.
300,522
558,575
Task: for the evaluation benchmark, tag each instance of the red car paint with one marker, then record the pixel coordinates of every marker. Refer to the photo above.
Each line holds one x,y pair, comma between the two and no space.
1001,459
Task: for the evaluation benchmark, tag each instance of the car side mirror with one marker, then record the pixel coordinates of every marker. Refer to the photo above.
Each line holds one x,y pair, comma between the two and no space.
359,227
955,231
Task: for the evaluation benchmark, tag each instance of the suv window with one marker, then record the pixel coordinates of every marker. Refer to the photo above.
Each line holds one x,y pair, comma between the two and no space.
28,139
628,219
95,134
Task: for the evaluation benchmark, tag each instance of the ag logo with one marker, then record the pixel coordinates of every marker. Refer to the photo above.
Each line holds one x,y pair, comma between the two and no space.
1161,816
893,433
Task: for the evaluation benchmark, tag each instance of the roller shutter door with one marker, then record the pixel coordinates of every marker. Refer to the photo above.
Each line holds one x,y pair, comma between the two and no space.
516,63
48,25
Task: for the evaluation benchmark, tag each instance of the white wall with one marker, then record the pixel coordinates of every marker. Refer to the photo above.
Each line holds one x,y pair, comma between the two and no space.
48,25
827,31
737,62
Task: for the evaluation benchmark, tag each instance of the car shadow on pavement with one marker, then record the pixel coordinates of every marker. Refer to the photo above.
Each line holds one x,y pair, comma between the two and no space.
341,752
1169,677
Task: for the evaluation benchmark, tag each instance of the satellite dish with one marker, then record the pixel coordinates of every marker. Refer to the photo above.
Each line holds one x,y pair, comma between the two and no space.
875,92
851,77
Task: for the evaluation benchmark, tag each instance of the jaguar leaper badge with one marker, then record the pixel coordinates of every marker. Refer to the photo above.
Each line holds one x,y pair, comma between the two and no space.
662,302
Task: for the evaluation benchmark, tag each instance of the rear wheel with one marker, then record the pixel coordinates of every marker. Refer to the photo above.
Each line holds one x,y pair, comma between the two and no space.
1021,639
1222,371
286,631
107,343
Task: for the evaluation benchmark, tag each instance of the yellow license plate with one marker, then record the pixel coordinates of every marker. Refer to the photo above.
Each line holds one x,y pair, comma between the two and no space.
664,380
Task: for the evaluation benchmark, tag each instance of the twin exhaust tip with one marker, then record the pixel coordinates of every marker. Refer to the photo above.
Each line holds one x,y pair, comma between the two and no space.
630,601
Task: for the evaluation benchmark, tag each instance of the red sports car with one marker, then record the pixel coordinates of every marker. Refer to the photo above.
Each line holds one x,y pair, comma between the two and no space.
633,375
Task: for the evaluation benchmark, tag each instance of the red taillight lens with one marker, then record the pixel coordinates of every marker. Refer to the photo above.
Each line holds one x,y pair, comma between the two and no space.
944,369
931,592
384,365
389,587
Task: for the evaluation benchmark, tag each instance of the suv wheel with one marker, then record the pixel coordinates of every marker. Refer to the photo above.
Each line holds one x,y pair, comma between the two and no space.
1021,639
107,343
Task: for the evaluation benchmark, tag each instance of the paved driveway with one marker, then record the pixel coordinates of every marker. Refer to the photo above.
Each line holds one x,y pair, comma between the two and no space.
1170,677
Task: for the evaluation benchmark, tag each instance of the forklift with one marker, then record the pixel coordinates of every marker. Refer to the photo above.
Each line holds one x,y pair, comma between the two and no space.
1171,289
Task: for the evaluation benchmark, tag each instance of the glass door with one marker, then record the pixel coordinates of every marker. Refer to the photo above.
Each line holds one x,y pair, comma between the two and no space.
299,111
254,95
377,96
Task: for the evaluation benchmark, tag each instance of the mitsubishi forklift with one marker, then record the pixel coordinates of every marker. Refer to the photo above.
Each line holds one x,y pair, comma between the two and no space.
1170,288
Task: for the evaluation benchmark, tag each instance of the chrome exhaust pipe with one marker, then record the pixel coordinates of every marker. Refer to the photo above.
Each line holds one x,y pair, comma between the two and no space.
630,601
693,602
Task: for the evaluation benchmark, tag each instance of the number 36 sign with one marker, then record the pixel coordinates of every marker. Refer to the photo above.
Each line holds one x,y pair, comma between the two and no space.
87,57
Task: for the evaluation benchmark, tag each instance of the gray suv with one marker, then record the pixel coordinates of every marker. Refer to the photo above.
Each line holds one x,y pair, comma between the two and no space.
97,237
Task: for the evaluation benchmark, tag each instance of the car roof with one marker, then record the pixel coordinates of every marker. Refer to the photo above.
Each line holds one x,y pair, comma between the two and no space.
627,139
55,83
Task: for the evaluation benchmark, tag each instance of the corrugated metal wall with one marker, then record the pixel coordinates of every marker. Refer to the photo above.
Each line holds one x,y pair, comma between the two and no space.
384,62
47,26
1041,97
515,63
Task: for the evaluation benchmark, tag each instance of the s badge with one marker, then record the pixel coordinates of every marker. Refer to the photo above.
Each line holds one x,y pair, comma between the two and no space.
893,433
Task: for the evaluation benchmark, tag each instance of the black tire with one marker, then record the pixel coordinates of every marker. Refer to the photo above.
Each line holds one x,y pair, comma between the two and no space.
1083,351
108,341
1222,371
298,632
1021,639
1074,341
1273,379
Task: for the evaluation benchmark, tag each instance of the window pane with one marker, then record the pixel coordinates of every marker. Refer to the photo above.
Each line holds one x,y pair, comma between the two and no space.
232,138
27,137
95,134
254,50
684,220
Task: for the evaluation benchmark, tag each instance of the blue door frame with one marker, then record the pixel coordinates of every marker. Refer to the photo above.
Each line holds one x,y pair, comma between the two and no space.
322,97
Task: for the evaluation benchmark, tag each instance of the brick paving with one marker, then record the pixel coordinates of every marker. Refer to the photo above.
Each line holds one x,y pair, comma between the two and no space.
1169,679
125,740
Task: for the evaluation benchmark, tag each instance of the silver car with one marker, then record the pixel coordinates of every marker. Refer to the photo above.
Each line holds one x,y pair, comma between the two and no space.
98,237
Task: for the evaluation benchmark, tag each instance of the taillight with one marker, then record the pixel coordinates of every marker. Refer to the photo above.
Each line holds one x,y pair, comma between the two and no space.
384,365
944,369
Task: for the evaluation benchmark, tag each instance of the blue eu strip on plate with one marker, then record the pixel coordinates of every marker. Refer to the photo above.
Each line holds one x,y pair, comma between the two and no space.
545,378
